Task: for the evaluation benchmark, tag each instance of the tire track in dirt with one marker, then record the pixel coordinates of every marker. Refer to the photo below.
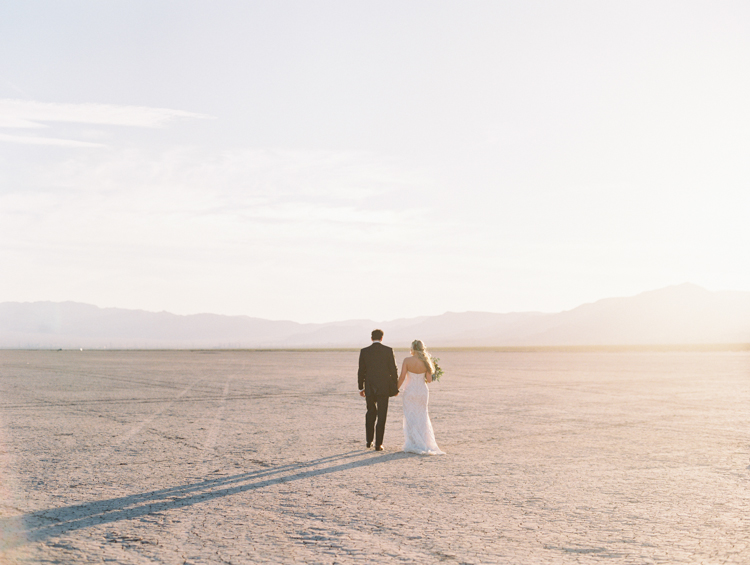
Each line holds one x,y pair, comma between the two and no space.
136,429
215,426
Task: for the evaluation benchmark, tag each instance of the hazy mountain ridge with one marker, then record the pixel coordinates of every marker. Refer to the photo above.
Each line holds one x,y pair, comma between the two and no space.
677,314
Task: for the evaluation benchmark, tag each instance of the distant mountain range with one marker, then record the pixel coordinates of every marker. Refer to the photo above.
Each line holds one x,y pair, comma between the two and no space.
683,314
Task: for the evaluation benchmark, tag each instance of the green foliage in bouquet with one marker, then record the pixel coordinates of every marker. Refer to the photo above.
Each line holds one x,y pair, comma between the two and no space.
438,370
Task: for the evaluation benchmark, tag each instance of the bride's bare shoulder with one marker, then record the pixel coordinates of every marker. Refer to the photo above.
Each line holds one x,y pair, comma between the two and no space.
415,365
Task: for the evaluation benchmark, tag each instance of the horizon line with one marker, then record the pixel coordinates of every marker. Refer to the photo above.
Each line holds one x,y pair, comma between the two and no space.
610,348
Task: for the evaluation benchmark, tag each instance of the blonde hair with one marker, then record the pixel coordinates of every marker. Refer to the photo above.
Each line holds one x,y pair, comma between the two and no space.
420,351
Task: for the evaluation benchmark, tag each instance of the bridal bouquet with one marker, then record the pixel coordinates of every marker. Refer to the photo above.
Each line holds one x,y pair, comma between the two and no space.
438,370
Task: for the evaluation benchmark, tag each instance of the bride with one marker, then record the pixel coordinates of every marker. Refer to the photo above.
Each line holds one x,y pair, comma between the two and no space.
416,372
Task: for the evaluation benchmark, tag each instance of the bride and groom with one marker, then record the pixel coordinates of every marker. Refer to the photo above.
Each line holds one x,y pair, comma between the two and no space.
379,380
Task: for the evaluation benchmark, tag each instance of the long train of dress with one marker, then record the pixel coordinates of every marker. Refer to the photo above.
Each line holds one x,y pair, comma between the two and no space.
419,436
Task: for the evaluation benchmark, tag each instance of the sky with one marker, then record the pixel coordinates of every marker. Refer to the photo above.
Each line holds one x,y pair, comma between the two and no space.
322,161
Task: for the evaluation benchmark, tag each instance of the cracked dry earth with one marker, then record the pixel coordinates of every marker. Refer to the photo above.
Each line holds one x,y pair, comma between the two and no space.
258,457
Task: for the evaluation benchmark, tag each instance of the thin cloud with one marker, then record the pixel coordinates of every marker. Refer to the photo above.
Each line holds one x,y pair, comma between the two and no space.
196,198
35,140
31,114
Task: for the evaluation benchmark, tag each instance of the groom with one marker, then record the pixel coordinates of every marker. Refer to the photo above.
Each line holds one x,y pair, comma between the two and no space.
378,380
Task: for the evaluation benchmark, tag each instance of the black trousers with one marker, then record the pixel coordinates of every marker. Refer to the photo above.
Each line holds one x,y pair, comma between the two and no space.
377,409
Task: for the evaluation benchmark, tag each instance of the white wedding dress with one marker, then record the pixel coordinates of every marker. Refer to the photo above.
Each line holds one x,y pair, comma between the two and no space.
418,434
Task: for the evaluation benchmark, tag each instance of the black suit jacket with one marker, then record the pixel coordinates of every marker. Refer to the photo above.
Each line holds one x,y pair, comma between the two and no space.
378,374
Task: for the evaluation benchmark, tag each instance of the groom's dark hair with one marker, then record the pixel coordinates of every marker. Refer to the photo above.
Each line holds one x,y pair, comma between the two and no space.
377,335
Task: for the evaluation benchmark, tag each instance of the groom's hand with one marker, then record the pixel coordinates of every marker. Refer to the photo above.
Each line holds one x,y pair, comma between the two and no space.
362,393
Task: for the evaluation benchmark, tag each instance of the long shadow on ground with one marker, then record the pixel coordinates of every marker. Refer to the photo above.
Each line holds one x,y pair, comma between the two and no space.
36,526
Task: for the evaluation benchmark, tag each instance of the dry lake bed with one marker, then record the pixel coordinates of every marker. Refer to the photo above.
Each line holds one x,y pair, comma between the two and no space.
258,457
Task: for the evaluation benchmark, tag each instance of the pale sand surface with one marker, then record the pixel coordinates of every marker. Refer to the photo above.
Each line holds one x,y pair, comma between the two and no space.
254,457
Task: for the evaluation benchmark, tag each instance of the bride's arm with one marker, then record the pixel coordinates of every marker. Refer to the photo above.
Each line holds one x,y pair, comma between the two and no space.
428,376
403,374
